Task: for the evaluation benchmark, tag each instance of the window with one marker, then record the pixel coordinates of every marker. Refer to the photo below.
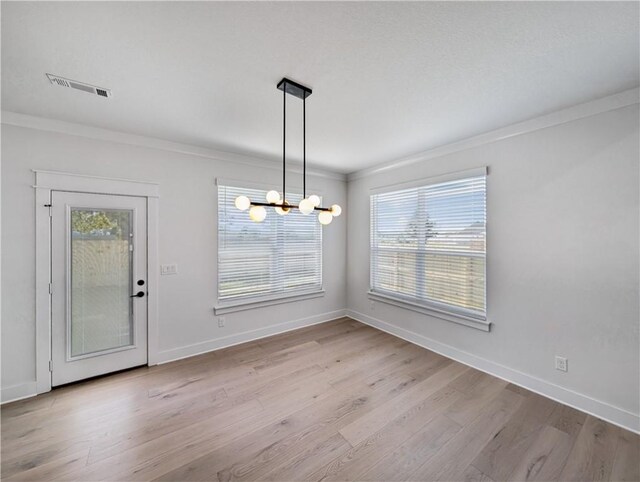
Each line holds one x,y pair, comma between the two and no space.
428,246
278,257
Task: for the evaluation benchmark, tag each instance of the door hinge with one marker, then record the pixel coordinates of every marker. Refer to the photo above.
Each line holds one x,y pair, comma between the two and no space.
48,206
51,365
50,289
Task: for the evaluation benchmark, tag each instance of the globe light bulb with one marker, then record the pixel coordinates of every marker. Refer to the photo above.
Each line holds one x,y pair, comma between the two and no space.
336,210
325,217
273,197
315,200
257,213
243,203
283,210
306,206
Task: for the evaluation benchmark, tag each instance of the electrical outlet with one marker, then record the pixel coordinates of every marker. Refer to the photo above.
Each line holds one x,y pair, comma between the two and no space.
166,269
221,322
562,364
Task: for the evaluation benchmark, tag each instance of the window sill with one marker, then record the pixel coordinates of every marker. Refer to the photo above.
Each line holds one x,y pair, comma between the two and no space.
469,321
232,307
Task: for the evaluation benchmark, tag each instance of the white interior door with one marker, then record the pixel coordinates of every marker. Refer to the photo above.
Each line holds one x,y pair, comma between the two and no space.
99,284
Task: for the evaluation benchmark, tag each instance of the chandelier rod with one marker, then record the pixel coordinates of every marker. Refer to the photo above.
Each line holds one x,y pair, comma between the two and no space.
304,147
284,142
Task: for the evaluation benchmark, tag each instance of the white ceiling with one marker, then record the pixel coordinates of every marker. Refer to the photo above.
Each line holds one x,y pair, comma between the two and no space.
389,79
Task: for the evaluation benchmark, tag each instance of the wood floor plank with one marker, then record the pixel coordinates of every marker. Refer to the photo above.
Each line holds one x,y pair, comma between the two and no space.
97,408
367,425
464,410
225,409
466,383
593,452
567,419
414,452
284,356
358,460
453,459
243,354
626,465
322,355
261,382
473,474
337,328
28,407
332,333
345,332
265,449
499,458
414,367
261,451
42,471
51,457
414,359
103,430
519,390
335,401
366,360
217,417
304,464
200,436
545,458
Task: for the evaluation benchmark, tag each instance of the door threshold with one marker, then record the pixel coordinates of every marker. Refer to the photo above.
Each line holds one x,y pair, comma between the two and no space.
98,377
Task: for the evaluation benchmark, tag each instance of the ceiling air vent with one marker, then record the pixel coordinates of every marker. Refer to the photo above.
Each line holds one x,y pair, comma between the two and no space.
74,84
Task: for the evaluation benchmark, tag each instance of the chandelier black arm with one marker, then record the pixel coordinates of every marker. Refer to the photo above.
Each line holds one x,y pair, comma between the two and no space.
274,205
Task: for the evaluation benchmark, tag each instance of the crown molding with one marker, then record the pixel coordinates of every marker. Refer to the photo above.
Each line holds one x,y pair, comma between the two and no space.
579,111
98,133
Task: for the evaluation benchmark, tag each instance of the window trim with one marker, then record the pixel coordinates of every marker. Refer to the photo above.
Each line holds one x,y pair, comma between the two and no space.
427,181
262,301
454,314
259,301
445,314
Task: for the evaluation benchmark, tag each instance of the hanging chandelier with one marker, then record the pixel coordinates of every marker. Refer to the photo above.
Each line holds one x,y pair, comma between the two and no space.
257,211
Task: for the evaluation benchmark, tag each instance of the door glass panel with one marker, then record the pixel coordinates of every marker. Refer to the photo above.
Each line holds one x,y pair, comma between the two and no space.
101,311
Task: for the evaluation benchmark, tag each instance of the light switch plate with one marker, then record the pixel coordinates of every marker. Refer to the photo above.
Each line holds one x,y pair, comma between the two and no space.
166,269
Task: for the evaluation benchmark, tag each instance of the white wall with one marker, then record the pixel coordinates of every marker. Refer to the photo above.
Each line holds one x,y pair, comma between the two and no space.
188,238
562,262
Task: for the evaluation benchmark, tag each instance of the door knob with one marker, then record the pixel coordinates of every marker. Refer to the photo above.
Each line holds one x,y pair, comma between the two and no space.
139,294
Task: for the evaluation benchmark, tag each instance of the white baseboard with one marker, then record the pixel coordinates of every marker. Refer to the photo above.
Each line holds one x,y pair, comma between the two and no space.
245,336
18,392
584,403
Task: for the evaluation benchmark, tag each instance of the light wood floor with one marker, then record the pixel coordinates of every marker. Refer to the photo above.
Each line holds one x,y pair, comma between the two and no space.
337,401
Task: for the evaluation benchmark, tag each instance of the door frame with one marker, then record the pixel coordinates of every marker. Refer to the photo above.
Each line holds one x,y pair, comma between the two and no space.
45,183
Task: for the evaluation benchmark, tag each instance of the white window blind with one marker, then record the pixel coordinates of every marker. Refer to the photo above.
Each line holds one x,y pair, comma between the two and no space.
280,256
428,246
